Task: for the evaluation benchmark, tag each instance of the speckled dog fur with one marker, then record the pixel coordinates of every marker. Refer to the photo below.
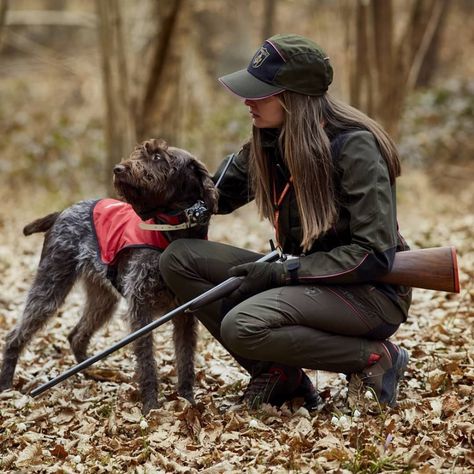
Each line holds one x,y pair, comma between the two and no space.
155,176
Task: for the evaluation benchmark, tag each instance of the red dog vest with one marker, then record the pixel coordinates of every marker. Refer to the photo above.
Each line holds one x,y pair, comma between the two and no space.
117,227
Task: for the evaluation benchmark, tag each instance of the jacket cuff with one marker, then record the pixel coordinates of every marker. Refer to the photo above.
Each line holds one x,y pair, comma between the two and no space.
291,268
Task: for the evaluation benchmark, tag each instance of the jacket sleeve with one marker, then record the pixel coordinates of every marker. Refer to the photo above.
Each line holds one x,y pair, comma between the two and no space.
234,187
369,198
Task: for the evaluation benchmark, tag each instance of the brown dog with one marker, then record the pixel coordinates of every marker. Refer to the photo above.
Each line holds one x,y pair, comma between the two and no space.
159,183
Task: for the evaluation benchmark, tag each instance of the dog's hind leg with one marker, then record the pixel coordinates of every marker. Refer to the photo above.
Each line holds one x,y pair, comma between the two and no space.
55,277
185,339
101,302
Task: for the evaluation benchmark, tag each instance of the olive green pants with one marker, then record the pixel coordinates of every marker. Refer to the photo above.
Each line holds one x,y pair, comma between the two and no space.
325,327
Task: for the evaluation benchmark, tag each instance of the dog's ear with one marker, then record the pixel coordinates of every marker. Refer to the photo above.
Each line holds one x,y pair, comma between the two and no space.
210,193
149,148
155,144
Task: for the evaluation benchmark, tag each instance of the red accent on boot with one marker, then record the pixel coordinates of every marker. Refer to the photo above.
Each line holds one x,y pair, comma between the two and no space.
373,359
282,377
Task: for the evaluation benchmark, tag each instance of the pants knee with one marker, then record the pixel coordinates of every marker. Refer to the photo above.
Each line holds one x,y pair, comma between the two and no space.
240,334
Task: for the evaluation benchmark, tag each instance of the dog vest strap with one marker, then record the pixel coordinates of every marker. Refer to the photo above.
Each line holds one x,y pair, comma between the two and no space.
277,200
166,227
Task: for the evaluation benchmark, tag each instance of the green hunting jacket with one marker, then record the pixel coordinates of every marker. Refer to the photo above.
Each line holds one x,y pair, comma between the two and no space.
361,245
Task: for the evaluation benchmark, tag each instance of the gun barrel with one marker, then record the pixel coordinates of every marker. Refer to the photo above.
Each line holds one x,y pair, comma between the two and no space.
207,297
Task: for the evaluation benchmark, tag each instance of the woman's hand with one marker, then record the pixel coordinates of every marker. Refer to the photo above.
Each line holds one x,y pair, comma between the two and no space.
258,277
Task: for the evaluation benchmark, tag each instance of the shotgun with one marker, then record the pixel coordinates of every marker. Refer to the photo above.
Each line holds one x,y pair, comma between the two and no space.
432,269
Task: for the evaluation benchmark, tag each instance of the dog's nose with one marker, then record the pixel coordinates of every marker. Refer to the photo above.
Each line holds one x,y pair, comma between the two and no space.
119,169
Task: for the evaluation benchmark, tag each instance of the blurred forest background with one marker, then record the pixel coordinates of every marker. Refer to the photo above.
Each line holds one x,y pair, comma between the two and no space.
82,81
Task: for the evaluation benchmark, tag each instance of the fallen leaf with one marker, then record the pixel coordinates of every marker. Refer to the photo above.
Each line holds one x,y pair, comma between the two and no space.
59,452
28,455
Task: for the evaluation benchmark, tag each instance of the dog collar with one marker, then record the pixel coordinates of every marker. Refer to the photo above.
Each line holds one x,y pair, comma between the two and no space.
167,227
195,215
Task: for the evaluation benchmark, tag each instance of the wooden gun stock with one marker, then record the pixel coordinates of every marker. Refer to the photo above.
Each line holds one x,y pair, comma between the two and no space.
433,269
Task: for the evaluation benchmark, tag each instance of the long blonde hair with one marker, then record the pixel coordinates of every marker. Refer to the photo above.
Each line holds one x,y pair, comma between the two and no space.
306,150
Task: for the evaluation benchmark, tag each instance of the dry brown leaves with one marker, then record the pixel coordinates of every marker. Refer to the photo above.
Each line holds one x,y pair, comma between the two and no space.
84,425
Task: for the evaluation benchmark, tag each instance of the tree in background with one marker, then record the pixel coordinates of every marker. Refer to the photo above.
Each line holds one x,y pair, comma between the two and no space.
269,15
3,17
385,70
152,106
162,100
160,60
120,134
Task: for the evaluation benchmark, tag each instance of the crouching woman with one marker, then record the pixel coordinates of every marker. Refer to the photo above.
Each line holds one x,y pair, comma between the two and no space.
324,174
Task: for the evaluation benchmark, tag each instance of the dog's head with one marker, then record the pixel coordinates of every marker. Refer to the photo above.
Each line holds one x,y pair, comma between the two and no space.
159,177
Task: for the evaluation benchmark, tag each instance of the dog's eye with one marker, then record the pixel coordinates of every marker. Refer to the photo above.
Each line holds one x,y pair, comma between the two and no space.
156,157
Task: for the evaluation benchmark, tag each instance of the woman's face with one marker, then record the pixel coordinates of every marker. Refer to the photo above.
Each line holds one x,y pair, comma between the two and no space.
266,113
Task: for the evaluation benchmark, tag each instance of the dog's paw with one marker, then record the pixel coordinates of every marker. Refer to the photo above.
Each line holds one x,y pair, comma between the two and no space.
149,405
188,395
5,385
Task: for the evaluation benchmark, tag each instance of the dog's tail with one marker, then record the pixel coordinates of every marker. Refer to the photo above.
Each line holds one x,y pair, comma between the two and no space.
41,225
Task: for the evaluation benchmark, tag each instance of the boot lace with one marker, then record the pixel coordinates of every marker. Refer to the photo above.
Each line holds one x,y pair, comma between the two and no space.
355,390
259,389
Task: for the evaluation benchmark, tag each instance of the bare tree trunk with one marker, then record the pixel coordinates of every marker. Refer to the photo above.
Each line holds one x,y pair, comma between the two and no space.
362,90
159,76
386,79
269,15
427,42
359,63
395,68
430,63
119,129
3,18
161,62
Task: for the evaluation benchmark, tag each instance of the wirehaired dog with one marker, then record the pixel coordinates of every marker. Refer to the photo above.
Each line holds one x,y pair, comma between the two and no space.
157,184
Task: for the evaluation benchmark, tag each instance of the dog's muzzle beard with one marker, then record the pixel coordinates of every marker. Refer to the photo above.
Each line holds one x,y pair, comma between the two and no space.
131,189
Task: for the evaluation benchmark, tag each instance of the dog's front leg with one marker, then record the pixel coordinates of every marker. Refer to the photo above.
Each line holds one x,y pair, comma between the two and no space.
185,338
146,368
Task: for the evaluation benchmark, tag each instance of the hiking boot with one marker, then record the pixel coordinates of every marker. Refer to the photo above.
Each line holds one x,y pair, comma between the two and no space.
279,384
382,376
306,390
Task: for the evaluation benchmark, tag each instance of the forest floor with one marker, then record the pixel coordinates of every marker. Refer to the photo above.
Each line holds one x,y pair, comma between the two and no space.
83,425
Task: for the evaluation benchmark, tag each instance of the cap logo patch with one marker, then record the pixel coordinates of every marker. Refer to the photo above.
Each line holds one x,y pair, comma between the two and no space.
260,57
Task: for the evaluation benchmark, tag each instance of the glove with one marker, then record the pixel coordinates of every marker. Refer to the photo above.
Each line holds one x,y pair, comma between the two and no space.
258,277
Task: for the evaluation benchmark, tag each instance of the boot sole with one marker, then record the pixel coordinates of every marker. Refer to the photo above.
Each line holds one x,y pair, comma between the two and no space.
401,365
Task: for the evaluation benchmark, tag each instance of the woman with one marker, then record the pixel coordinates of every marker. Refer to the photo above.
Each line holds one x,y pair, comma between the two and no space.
324,174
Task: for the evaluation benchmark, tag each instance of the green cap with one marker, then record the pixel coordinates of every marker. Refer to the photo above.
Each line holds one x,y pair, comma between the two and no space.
284,62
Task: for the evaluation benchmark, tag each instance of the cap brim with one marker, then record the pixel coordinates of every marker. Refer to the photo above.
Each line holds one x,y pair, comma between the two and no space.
243,84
